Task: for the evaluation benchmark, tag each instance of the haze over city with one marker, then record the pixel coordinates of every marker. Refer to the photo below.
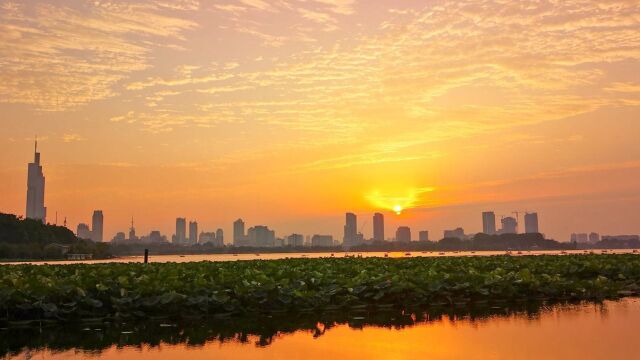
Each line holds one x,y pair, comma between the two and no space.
291,113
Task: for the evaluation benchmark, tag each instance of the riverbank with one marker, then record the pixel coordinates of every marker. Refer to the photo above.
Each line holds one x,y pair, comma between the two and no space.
128,290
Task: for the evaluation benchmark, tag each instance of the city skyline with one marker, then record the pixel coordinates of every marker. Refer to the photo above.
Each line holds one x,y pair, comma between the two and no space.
436,110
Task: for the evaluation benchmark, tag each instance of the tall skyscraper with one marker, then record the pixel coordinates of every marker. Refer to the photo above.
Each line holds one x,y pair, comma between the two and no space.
403,234
181,231
97,229
378,227
509,225
220,237
489,222
83,231
531,223
132,232
350,230
193,232
35,189
238,232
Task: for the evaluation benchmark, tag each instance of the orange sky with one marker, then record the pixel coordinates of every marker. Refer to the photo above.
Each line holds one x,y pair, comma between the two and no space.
289,113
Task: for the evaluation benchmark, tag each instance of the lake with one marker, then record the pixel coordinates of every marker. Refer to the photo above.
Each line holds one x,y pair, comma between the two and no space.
273,256
607,330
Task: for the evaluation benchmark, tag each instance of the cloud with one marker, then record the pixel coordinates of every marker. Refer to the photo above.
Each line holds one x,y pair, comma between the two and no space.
72,137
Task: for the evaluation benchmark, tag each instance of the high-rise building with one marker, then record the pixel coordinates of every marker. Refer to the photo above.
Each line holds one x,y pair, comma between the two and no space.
489,222
580,238
132,232
181,231
509,225
97,229
594,237
403,234
83,231
220,237
531,223
238,233
35,189
322,240
295,240
350,230
193,232
423,235
260,235
378,227
457,233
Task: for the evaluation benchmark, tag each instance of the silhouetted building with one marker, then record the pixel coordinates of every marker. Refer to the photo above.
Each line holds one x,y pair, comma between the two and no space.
621,237
260,235
531,223
594,237
403,234
35,189
295,240
238,233
423,235
97,223
120,237
457,233
489,222
220,237
580,238
378,227
83,231
156,237
210,238
322,240
180,236
193,232
509,225
350,230
132,232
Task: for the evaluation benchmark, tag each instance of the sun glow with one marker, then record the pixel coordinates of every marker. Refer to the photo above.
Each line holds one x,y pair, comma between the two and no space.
397,209
398,202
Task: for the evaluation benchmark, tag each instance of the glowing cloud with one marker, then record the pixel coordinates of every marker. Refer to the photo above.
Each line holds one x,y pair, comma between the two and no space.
397,202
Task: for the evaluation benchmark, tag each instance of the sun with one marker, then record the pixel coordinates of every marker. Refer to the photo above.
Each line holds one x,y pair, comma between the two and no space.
397,209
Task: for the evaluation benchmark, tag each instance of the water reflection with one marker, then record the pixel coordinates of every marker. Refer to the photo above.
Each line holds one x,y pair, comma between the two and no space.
262,331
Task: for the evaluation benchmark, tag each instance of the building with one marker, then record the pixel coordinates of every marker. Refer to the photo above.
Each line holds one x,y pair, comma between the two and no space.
322,240
531,223
83,231
509,225
156,237
132,232
620,237
120,237
580,238
97,226
489,222
261,236
423,235
193,232
457,233
208,237
220,237
403,234
350,230
594,237
35,189
295,240
378,227
181,231
238,233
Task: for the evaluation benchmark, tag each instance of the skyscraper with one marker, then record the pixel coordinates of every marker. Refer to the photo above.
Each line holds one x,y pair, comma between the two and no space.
378,227
509,226
238,232
531,223
193,232
97,222
403,234
220,237
35,189
83,231
423,235
260,235
181,231
350,230
489,222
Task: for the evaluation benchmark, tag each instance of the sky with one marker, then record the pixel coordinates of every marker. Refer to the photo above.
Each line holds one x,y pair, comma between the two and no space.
291,112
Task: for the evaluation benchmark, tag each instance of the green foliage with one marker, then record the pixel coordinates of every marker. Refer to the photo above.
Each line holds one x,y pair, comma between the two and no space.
76,292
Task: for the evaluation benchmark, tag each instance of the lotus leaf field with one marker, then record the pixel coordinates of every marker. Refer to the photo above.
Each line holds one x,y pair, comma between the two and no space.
119,291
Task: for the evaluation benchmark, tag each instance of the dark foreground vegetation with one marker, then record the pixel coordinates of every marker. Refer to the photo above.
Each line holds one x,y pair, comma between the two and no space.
124,291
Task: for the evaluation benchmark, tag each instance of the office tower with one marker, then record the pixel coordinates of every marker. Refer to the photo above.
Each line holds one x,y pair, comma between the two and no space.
260,235
295,240
350,230
403,234
83,231
509,225
378,227
132,232
220,237
35,189
181,231
193,232
97,222
423,235
457,233
238,232
322,240
594,237
489,222
531,223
